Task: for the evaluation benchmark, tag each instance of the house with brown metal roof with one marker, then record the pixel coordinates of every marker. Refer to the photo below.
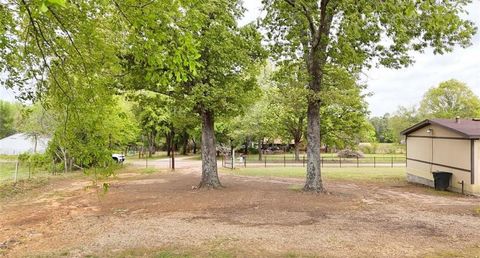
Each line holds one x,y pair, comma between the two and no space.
445,145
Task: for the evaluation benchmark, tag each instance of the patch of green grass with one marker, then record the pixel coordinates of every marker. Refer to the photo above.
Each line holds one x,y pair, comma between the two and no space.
149,170
295,187
8,157
154,253
347,174
472,251
289,156
476,211
209,250
25,171
196,157
442,193
157,155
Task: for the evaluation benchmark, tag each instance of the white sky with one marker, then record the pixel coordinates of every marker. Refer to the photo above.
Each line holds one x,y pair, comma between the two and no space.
405,87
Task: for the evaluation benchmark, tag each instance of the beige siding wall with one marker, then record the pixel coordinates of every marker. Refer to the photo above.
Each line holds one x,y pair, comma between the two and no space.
454,153
448,152
423,170
477,162
436,131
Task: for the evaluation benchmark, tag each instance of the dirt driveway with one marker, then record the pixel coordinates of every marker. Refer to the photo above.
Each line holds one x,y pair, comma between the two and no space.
143,214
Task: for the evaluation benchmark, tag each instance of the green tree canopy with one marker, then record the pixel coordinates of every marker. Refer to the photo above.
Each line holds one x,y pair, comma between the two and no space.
450,99
7,119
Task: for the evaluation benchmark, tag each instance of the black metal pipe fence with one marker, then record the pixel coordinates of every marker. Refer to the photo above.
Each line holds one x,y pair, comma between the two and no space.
301,161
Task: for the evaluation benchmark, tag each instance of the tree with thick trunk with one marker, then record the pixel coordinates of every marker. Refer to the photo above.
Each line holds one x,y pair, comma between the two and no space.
225,81
382,30
209,152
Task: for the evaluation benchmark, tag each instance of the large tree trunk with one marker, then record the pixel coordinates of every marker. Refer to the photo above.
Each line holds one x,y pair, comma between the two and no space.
313,178
209,159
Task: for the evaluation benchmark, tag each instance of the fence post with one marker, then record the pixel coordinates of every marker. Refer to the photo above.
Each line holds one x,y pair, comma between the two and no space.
340,161
223,161
265,159
374,162
29,169
303,160
245,161
392,161
321,161
357,162
284,161
16,171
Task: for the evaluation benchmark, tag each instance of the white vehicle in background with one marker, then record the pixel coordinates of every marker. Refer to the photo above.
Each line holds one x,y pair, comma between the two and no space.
119,158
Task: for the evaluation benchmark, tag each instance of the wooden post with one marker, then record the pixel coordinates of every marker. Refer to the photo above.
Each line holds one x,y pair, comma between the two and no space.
284,161
392,161
374,162
265,160
357,163
16,171
303,160
245,162
173,155
340,159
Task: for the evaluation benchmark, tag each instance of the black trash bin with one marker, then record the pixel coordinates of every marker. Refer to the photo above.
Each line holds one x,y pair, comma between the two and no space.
441,180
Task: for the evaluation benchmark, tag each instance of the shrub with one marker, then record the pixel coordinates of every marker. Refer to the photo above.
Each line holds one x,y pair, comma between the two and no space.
349,154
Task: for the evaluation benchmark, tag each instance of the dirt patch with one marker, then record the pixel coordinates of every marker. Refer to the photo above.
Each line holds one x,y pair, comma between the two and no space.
250,217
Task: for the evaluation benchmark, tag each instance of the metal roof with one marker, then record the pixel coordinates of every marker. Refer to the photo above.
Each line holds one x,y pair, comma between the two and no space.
21,143
469,128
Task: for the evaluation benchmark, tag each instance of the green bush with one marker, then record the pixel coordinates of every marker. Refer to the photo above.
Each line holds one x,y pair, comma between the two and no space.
370,148
35,160
252,150
40,160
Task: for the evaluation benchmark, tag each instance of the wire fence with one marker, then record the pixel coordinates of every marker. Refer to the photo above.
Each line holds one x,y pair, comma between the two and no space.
291,161
14,171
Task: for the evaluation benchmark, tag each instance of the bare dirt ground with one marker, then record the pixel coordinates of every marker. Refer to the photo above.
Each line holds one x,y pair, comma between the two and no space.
144,213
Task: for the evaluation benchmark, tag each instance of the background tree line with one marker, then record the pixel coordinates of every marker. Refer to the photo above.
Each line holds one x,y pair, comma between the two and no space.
450,99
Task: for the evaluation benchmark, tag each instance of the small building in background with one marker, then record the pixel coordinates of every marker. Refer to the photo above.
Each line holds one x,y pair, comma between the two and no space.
445,145
22,143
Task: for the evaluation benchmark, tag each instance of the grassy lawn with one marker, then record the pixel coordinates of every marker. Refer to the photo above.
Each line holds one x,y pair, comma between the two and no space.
8,157
367,158
348,174
7,171
157,155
